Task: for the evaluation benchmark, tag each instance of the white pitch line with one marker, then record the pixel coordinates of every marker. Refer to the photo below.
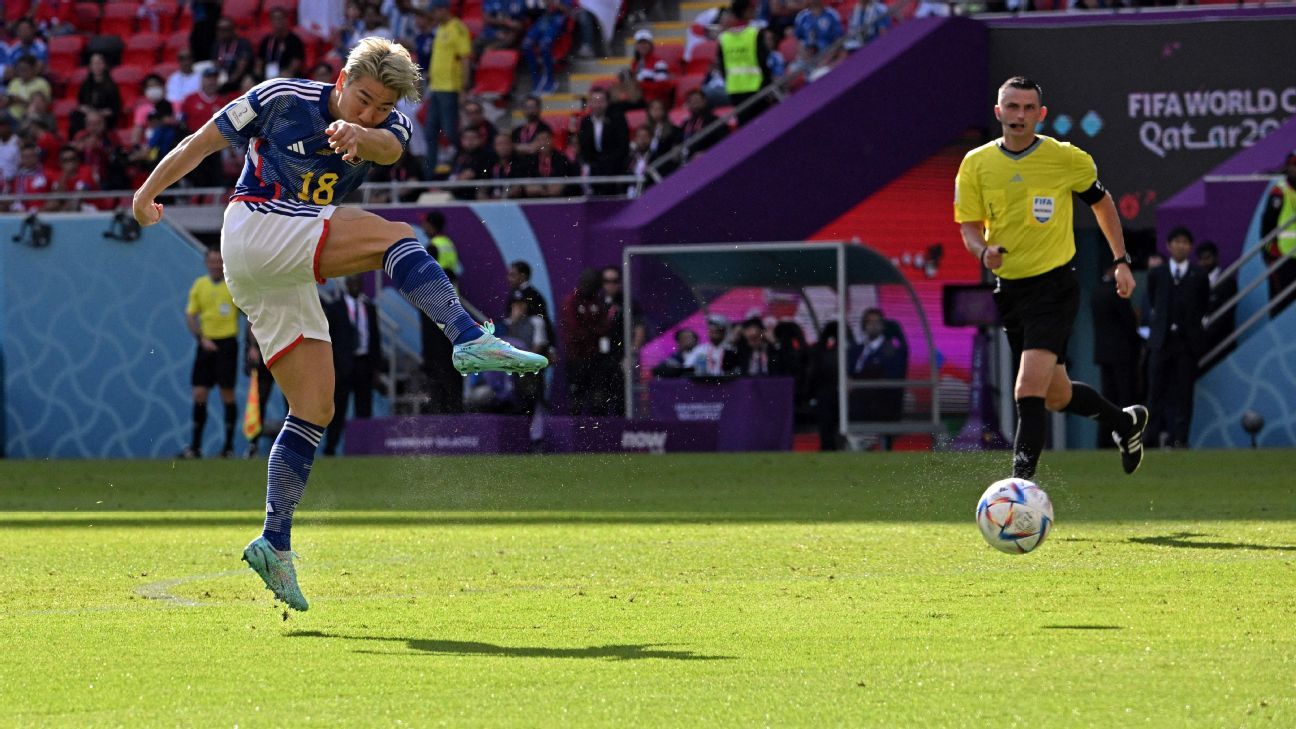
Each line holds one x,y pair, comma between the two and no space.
160,590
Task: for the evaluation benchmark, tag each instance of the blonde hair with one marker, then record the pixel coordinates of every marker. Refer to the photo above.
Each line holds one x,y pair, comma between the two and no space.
388,63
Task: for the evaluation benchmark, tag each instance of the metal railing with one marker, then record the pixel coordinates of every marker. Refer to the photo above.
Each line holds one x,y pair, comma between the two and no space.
1232,272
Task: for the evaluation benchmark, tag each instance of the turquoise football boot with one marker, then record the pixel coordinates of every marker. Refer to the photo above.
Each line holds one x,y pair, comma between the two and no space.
489,353
276,571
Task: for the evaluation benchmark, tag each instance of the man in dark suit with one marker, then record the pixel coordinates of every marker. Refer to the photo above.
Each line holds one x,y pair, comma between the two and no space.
604,141
357,352
1179,294
1221,291
758,354
883,355
1117,344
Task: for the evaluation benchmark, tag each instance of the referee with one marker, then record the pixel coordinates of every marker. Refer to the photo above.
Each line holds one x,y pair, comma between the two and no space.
1012,200
213,321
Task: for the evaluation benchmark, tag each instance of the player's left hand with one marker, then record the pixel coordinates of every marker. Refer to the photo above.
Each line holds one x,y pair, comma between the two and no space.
344,138
1124,282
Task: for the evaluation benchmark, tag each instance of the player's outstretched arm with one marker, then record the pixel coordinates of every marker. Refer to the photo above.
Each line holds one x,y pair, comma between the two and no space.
1109,221
179,162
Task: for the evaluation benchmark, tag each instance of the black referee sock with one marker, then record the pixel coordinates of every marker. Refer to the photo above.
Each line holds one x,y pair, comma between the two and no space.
199,422
1087,402
1031,421
231,414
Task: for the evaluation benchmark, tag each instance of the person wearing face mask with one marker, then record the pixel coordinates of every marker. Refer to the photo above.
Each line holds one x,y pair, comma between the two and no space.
154,90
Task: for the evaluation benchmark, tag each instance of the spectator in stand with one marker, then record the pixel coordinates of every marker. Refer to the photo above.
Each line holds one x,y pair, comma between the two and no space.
781,14
604,142
657,84
1117,344
507,166
424,38
505,21
1221,291
159,138
40,132
373,23
643,58
153,91
475,118
38,110
30,179
537,45
472,163
529,331
26,43
521,288
1280,215
587,325
232,54
757,353
99,149
822,379
676,363
742,60
1178,293
818,27
350,31
665,135
883,355
324,73
357,357
640,157
400,18
868,20
774,60
10,150
282,53
24,84
524,135
716,356
700,117
184,80
197,108
587,24
213,320
548,162
447,79
99,94
73,176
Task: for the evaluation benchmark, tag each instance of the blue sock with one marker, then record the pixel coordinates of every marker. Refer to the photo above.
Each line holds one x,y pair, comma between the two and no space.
291,457
424,284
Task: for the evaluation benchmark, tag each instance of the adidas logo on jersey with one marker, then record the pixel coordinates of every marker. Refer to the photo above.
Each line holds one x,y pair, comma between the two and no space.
1017,178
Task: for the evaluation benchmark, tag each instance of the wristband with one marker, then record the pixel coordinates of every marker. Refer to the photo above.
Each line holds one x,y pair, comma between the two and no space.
983,252
1125,259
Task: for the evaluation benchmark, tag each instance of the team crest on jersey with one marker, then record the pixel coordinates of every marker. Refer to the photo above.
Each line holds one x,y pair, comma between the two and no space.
1042,208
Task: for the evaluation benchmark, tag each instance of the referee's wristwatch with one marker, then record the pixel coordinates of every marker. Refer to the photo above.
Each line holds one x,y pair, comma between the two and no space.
1125,259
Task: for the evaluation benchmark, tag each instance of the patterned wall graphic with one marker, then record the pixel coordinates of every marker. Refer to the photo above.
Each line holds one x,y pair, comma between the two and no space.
96,352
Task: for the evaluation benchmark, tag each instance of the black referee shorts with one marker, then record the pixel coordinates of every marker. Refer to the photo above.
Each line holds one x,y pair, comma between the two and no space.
216,368
1039,312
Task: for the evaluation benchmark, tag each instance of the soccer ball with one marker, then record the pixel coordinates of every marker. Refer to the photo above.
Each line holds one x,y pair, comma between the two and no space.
1015,515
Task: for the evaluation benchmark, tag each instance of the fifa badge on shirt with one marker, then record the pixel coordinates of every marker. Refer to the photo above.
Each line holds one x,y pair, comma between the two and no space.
241,114
1042,208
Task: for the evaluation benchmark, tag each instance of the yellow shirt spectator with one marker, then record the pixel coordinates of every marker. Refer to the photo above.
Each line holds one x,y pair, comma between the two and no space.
211,301
450,51
1024,201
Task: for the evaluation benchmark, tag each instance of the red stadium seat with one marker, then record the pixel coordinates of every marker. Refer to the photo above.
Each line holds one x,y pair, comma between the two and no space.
475,25
118,19
605,83
74,81
672,54
166,68
129,76
703,56
142,49
86,18
288,6
788,48
244,13
687,85
678,115
65,54
496,73
636,118
166,12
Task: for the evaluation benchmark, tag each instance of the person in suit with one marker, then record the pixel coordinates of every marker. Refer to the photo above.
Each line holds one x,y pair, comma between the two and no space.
1221,291
357,352
1117,344
882,355
1179,294
604,141
757,352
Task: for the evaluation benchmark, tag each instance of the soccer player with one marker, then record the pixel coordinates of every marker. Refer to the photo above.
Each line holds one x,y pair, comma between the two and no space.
310,144
1012,200
213,321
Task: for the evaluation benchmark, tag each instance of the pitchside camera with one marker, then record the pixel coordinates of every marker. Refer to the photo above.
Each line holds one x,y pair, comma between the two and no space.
123,227
34,232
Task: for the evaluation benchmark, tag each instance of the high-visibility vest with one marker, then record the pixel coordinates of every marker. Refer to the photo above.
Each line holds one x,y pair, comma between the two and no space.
741,62
1287,236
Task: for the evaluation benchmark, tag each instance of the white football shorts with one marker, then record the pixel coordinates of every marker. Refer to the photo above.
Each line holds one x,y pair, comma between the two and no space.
271,250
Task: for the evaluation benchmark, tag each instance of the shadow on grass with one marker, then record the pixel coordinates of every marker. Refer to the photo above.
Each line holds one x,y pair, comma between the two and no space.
627,652
1083,627
1181,540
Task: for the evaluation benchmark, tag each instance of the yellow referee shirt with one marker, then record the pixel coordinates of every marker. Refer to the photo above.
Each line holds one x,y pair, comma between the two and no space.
1024,201
211,301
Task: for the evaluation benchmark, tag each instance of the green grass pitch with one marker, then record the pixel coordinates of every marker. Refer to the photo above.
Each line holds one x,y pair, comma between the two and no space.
747,590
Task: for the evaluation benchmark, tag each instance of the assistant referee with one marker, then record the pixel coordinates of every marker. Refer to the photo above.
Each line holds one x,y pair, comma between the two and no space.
1012,200
213,321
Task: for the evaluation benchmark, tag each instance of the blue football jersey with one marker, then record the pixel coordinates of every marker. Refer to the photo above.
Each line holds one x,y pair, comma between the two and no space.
282,123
